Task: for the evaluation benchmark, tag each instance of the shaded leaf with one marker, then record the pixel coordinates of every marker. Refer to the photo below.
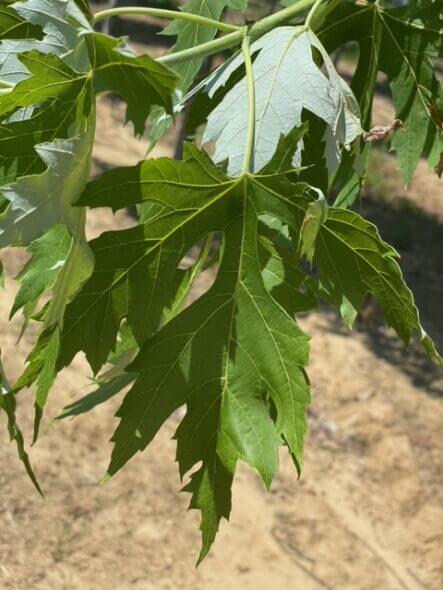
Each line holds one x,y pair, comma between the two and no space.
151,83
13,26
403,42
8,404
190,34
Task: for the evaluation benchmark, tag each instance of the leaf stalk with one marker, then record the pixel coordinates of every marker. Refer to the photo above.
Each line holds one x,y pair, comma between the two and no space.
312,12
248,162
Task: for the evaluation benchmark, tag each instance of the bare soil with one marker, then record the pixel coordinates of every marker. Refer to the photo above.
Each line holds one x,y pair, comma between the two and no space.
367,513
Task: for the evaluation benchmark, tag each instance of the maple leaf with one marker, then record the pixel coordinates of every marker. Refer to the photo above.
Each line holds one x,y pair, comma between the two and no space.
48,254
13,26
41,200
8,404
393,41
290,81
53,28
250,394
190,34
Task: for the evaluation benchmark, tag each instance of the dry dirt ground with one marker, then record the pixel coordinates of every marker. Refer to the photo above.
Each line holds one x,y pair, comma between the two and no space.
367,513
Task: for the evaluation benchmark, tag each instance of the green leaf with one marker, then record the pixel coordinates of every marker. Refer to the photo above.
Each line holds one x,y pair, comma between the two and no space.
13,26
315,217
151,83
39,201
49,254
51,79
255,356
403,47
290,81
354,260
191,34
416,91
54,26
18,139
8,404
245,400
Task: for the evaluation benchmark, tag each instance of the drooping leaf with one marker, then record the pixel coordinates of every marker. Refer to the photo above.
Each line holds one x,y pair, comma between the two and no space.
8,404
41,369
229,397
416,91
354,260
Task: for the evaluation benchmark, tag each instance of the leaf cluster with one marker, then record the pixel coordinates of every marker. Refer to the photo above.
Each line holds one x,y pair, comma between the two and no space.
267,206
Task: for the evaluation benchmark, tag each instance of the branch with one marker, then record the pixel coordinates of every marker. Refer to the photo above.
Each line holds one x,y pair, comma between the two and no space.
164,13
232,39
205,49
